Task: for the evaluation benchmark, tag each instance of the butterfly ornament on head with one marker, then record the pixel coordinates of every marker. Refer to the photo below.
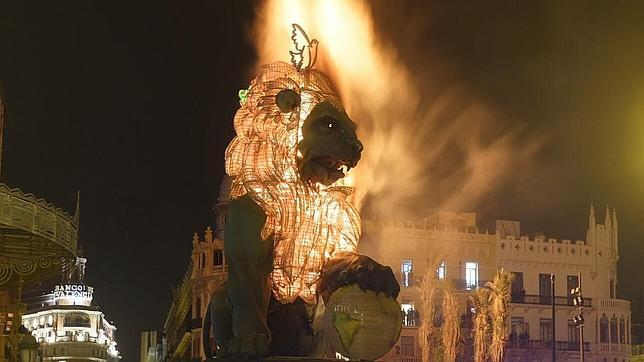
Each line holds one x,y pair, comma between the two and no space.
303,51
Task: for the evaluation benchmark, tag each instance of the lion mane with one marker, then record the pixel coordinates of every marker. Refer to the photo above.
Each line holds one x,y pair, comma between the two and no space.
308,223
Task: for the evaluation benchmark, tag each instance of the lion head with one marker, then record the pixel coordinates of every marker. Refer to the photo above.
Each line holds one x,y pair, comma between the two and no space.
294,144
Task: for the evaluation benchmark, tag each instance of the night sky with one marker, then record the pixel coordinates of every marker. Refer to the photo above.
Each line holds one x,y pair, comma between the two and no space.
131,103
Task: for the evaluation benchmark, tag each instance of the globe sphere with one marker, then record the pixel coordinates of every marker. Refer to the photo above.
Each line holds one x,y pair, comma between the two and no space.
361,324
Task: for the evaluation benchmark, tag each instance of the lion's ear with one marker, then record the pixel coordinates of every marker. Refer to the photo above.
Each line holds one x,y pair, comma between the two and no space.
287,100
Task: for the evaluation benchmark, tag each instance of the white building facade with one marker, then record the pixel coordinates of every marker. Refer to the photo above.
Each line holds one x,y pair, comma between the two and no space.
68,327
470,257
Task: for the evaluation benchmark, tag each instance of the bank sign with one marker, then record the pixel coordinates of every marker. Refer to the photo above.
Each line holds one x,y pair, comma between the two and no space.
75,292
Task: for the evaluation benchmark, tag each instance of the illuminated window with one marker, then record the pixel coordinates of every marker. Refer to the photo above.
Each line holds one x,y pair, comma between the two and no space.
406,272
410,315
471,275
441,271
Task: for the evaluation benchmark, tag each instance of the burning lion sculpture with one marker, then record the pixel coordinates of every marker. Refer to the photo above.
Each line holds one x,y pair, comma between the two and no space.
290,236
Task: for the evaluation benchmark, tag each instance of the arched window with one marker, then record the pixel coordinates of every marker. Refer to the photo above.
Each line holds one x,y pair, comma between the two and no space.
622,331
603,329
77,320
203,260
613,329
218,257
198,308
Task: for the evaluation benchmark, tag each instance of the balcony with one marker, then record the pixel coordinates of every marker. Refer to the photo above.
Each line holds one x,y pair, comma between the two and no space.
615,304
463,284
539,345
546,300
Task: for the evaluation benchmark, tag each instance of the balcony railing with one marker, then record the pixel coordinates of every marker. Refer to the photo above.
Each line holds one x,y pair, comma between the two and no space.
464,284
615,304
546,300
537,344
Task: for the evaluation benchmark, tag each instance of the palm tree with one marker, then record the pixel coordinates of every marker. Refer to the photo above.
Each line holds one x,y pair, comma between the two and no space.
500,298
451,329
481,300
428,291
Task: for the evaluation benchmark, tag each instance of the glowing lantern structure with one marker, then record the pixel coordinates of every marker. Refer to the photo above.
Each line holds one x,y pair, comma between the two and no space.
309,222
289,219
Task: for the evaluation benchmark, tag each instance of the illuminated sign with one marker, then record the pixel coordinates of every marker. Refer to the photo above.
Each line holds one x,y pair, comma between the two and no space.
73,294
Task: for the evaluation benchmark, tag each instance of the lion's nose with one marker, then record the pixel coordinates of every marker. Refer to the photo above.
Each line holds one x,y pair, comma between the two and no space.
357,146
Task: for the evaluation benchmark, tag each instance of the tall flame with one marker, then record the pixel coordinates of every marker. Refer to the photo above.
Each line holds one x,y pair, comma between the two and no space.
407,140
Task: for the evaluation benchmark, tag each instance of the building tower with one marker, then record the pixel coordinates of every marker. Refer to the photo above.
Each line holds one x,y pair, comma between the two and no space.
209,267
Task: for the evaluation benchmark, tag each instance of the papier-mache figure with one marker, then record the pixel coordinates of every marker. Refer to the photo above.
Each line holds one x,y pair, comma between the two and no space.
291,236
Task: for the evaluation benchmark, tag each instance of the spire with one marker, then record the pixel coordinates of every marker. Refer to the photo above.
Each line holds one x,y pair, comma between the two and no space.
591,217
614,218
77,212
607,221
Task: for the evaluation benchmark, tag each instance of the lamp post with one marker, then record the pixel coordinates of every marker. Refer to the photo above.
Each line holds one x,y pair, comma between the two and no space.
578,320
552,293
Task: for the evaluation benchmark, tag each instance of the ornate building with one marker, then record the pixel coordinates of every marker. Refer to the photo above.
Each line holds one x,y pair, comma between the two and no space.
177,326
66,324
207,271
470,257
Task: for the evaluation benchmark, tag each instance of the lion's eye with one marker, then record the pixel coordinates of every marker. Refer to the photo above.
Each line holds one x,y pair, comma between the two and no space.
331,124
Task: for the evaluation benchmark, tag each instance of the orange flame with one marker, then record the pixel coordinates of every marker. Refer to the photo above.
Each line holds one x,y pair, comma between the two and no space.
406,140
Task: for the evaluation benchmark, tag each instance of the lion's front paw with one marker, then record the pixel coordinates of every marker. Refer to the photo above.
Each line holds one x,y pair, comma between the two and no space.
372,276
359,269
246,347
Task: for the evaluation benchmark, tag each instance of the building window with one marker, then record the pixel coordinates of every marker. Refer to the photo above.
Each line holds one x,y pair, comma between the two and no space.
407,346
406,272
603,329
441,271
516,289
545,329
622,331
218,257
518,329
545,289
77,320
573,332
611,288
471,275
202,263
198,308
410,315
613,330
